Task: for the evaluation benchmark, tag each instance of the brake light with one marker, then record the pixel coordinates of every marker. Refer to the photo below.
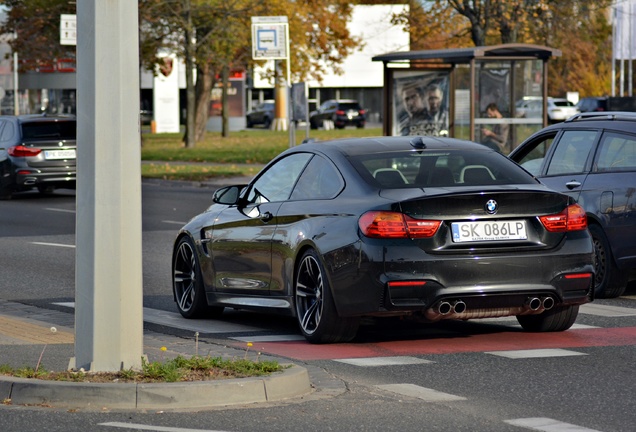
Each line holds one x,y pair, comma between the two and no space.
573,218
382,224
361,112
578,276
22,151
340,112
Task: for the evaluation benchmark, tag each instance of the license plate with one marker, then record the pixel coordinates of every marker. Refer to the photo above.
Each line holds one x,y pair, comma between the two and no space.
59,154
489,231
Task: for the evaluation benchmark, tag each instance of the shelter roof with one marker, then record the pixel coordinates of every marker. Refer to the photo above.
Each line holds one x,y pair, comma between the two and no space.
465,55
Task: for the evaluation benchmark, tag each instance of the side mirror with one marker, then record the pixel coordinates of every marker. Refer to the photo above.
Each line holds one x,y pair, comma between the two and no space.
228,195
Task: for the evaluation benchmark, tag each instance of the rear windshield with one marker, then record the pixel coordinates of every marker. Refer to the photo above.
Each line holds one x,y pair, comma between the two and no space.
348,106
439,168
64,130
563,103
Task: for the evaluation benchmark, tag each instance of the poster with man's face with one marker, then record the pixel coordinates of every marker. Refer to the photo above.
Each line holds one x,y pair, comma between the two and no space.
494,87
420,103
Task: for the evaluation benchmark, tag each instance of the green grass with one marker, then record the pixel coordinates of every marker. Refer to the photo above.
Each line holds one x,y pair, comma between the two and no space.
178,369
240,148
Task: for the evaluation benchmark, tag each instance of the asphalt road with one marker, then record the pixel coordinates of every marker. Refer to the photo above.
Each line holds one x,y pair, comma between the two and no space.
453,376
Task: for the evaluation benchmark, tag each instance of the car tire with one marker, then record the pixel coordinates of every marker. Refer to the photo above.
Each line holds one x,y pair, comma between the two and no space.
249,124
46,190
187,283
6,194
315,308
268,123
609,281
559,318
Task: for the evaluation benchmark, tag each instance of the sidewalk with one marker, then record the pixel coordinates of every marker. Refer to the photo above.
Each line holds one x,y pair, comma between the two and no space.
28,332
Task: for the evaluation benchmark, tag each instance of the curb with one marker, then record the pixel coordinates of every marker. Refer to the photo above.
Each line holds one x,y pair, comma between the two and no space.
292,382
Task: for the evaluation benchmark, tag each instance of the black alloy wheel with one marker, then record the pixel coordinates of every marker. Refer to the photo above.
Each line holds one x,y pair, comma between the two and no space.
315,309
187,282
609,281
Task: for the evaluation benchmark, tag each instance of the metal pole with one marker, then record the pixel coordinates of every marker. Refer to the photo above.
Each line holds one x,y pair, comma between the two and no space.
614,51
292,135
16,87
631,56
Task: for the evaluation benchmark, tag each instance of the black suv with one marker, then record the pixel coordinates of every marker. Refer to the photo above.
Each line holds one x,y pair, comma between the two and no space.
592,157
589,104
37,151
342,113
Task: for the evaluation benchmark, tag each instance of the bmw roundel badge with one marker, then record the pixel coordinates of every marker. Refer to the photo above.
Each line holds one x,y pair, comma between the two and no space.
491,207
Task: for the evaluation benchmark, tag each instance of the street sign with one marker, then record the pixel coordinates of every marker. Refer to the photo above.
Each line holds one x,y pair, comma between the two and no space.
270,38
68,29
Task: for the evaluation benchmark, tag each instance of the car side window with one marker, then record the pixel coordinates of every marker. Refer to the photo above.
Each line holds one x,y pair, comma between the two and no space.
572,152
7,131
320,180
277,182
535,154
617,153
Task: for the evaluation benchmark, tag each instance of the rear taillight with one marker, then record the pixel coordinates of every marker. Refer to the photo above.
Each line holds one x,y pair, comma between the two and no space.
22,151
340,112
573,218
381,224
361,112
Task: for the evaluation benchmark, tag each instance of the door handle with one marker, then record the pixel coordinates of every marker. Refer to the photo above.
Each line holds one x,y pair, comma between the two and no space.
267,216
573,184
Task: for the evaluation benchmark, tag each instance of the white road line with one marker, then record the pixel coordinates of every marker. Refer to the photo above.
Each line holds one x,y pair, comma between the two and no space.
174,222
270,338
535,353
153,428
426,394
59,210
383,361
548,425
512,322
53,244
606,311
175,320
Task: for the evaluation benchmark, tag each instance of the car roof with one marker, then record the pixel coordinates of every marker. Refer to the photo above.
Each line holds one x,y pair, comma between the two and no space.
361,146
342,100
39,118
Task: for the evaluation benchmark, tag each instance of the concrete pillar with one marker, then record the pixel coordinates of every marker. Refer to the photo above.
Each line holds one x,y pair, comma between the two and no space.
108,273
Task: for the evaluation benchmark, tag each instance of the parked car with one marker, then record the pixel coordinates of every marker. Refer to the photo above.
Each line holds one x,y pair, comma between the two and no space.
558,109
592,158
262,115
345,112
37,151
589,104
429,228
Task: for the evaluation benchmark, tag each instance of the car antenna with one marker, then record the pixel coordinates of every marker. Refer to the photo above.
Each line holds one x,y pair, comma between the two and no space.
418,143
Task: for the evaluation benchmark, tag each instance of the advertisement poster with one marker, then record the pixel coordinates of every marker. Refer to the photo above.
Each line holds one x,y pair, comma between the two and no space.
235,97
166,96
494,85
420,103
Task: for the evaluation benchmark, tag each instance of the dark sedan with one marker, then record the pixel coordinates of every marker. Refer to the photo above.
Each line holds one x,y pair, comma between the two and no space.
262,115
37,151
424,227
341,113
592,158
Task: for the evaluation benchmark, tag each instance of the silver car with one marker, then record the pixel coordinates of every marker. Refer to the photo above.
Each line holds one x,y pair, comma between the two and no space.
559,109
37,151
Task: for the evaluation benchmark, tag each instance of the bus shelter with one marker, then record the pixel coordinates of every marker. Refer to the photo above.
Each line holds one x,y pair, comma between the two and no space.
496,95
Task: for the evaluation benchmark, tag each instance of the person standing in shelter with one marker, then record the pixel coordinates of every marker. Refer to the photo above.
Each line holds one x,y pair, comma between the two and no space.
497,137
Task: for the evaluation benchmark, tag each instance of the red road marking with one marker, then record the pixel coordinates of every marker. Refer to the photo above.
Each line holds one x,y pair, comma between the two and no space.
505,341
